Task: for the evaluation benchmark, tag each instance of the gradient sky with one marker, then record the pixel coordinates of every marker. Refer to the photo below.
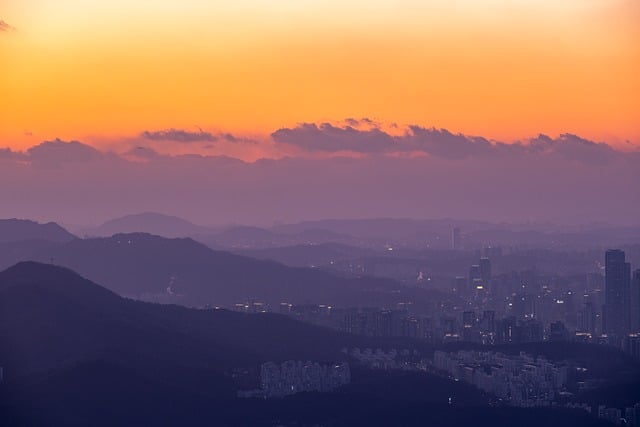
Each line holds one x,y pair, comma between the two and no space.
503,69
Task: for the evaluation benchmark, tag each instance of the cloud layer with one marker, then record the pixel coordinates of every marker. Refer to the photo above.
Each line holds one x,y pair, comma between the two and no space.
441,143
178,135
172,137
564,179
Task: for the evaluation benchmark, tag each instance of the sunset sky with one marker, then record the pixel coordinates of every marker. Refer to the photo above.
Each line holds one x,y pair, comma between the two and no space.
98,71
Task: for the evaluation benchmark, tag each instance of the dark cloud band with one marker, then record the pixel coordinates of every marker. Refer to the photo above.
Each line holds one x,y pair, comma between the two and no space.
327,137
178,135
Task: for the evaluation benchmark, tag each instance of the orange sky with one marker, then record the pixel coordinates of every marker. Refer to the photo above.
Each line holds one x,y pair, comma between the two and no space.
504,69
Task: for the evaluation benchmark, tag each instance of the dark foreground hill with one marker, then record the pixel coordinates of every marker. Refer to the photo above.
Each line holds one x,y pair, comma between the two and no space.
76,354
51,317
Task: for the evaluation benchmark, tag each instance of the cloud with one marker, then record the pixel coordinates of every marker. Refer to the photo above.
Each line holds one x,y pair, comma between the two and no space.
362,122
327,137
573,147
58,152
228,137
4,27
8,154
178,135
439,143
442,143
142,153
184,136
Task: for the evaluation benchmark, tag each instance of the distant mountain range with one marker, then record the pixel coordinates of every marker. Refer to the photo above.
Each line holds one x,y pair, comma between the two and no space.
234,236
186,272
322,269
372,233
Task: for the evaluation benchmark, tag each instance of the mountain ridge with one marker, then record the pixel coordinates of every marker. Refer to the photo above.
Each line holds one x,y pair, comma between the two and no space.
187,272
14,229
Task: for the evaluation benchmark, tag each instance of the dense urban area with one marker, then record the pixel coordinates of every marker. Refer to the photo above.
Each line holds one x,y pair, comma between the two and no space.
600,307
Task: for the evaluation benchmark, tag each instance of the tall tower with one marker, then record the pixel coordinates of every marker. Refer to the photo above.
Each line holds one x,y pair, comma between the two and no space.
475,279
485,273
455,239
617,294
634,306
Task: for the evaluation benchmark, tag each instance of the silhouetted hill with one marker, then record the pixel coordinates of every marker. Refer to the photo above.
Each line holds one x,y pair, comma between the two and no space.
52,317
63,337
245,237
242,236
20,239
237,236
323,235
186,272
309,255
149,222
14,230
14,252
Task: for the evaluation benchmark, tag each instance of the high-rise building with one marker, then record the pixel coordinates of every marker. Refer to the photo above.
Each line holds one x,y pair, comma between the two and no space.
460,285
485,273
587,319
558,332
523,306
489,321
617,296
491,252
529,331
456,239
475,279
468,319
634,305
